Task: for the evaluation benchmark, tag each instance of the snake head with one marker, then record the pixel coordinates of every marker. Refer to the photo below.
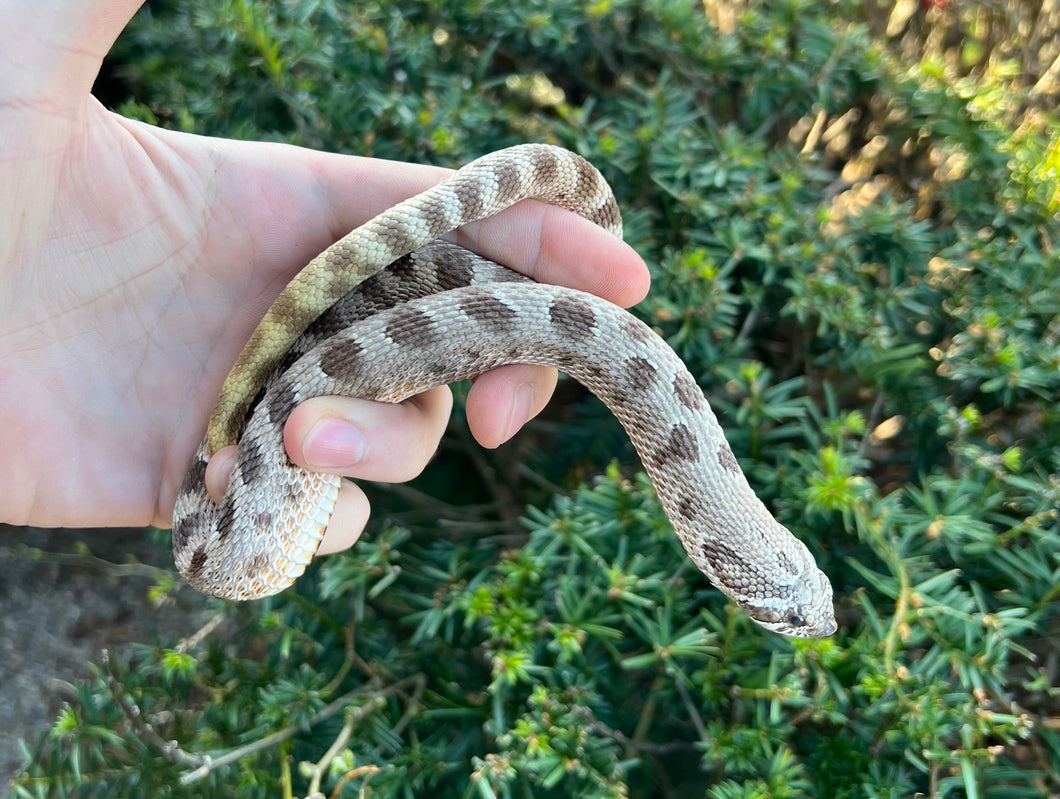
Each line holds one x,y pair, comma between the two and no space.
804,610
776,583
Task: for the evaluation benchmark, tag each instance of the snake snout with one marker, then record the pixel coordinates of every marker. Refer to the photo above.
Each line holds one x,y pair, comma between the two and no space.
820,622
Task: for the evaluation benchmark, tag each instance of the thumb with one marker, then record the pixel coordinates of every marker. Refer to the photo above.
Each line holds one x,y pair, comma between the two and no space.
52,49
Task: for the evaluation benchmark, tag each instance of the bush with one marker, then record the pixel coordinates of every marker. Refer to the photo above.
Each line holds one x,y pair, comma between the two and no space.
851,222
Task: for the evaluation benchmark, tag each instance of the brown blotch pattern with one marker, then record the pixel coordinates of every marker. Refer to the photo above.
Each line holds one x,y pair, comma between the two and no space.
373,295
716,550
434,216
594,374
407,327
340,356
575,320
597,380
689,507
454,274
680,445
252,462
398,238
198,561
281,403
470,199
410,326
738,575
508,182
288,359
721,558
687,391
182,532
587,180
226,516
404,268
544,167
635,330
194,477
641,373
263,520
489,311
726,459
607,215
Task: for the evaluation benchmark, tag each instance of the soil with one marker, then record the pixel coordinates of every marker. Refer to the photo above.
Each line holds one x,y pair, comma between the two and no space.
56,615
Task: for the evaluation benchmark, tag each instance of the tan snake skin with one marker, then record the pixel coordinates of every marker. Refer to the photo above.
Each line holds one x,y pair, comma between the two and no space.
440,314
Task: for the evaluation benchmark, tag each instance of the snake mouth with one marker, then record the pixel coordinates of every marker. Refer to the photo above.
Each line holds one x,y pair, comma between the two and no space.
796,621
795,626
791,628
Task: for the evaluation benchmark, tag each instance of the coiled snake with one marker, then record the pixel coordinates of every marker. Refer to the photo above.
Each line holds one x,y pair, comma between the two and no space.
440,314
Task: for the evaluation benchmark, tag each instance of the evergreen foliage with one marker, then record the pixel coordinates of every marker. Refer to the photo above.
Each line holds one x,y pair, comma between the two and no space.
853,237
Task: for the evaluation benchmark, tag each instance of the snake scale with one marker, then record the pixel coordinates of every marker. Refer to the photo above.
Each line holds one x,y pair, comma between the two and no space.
390,310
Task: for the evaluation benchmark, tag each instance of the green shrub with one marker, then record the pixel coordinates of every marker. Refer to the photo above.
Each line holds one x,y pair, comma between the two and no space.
854,252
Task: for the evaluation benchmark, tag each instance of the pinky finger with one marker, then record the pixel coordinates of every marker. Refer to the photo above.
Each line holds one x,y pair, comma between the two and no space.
348,521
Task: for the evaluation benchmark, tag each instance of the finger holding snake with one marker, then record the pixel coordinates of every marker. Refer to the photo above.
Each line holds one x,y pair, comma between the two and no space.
393,443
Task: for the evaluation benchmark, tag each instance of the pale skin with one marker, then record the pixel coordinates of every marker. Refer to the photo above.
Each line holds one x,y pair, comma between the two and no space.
134,263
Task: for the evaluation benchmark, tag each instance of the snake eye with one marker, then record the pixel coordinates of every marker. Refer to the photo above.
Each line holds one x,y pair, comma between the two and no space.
795,620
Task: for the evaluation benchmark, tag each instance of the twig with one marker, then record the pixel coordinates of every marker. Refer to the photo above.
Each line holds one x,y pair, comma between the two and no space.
693,714
874,417
349,633
371,771
24,552
187,644
638,746
749,322
500,491
411,704
207,763
536,478
353,718
144,729
426,502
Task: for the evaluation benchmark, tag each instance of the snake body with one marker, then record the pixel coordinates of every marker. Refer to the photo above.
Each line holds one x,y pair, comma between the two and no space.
389,311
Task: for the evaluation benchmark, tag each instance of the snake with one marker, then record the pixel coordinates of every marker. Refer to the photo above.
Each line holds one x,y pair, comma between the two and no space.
393,309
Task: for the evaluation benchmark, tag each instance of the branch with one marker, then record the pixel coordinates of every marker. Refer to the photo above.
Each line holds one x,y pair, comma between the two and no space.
36,555
144,729
206,763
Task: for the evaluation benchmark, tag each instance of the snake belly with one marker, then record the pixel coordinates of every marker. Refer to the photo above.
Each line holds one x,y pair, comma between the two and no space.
416,313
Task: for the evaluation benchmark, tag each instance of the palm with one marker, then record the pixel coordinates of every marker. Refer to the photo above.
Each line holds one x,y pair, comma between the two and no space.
146,283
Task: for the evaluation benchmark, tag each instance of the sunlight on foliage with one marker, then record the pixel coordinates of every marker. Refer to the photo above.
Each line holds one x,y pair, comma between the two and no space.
849,213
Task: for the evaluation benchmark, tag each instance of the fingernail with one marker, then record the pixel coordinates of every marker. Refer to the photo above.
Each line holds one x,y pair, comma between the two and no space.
522,406
334,444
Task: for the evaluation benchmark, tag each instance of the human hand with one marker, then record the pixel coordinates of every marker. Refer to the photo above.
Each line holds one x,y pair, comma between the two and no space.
135,262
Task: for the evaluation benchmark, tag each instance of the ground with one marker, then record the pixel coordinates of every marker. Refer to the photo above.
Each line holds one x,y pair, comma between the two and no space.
58,613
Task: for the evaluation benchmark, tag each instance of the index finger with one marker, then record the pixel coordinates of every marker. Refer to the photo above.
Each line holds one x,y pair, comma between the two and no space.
553,245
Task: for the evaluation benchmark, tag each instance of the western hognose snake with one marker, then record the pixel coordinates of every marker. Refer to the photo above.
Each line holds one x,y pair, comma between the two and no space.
440,314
